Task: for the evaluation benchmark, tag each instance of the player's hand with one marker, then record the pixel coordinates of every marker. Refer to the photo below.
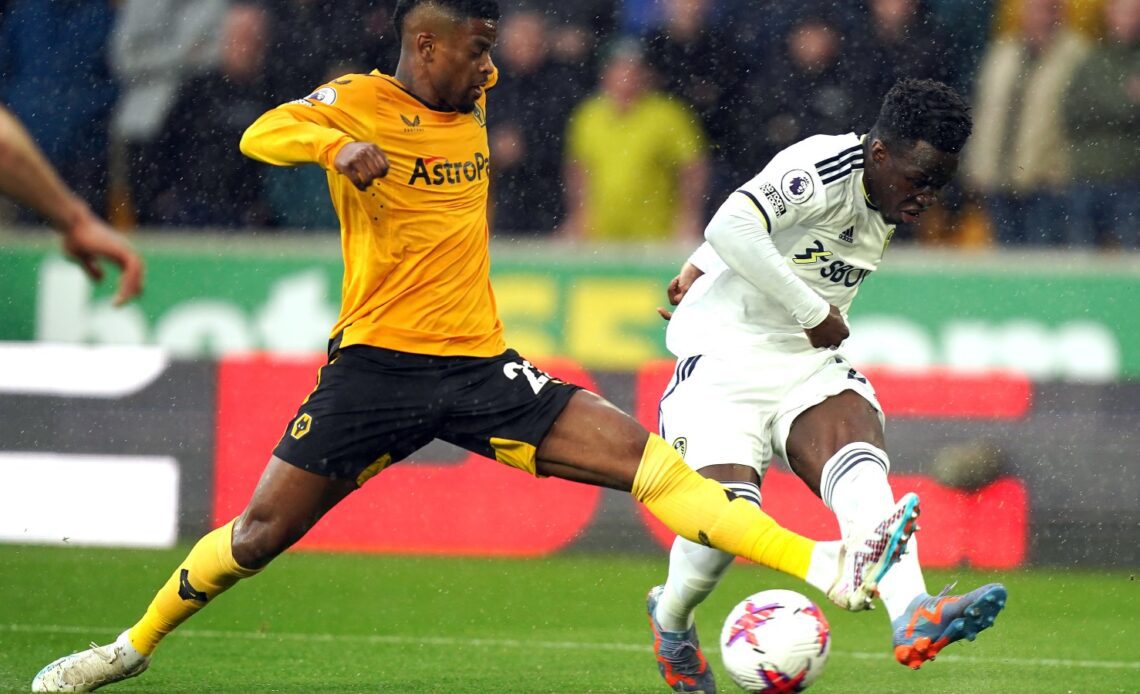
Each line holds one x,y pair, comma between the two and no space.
90,240
830,333
679,287
673,291
362,163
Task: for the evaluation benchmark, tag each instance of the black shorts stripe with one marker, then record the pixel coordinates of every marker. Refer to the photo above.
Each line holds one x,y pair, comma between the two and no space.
673,382
683,370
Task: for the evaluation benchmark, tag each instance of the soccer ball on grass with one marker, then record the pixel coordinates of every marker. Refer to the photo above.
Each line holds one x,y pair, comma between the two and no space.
775,641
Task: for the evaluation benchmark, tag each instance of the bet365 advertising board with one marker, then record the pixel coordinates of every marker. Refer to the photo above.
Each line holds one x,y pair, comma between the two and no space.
1047,316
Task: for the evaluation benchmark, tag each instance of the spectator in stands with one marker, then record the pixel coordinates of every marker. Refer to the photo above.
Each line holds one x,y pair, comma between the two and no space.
637,17
1018,157
807,89
897,40
700,62
207,182
155,47
1102,112
532,101
55,78
965,27
313,41
1083,16
575,30
636,161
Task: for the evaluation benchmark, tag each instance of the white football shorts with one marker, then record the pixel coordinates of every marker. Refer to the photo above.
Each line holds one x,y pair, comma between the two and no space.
718,411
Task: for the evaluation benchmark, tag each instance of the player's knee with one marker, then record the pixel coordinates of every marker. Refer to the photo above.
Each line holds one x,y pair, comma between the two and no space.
257,541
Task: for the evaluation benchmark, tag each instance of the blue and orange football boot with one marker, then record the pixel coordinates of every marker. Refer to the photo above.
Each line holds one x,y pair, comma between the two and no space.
679,657
931,623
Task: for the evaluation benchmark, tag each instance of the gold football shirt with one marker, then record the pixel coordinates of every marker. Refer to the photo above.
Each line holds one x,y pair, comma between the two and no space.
415,243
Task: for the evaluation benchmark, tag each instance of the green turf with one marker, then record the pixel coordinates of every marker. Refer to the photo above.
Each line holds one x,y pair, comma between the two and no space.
343,623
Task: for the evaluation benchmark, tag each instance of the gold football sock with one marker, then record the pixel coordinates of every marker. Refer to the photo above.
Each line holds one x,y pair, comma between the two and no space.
699,509
208,570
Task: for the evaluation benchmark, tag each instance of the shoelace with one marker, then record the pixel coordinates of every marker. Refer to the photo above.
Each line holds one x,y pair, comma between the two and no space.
102,652
86,671
945,591
676,654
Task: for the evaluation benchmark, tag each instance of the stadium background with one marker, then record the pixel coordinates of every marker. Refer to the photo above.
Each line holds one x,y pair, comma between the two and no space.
450,573
1016,365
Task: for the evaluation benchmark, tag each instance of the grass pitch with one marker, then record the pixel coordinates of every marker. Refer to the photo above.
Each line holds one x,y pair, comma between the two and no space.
346,623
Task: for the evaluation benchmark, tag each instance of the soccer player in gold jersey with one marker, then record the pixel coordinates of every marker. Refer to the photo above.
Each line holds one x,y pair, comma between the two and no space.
417,352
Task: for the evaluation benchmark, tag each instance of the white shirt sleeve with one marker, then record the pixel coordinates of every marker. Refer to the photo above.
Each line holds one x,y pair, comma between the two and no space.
706,260
740,235
784,194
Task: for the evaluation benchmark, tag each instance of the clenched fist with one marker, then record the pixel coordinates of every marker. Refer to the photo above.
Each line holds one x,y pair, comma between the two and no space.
362,162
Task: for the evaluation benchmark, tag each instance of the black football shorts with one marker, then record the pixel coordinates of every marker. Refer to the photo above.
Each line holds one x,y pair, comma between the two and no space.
373,407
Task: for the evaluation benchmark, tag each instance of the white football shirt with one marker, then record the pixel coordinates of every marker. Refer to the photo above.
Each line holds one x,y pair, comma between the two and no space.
812,202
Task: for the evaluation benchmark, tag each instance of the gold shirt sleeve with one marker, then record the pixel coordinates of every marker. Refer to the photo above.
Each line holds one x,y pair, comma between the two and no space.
312,130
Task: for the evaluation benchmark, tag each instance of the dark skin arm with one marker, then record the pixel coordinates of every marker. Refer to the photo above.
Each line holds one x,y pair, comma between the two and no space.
362,163
830,333
679,286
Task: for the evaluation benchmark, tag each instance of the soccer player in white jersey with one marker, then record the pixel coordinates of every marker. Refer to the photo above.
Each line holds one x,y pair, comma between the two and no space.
760,368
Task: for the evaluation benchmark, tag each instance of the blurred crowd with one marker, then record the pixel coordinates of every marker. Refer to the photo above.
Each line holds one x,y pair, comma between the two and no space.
613,119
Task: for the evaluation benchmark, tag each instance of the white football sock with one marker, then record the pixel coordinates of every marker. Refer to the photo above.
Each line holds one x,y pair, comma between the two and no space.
824,567
854,486
694,571
903,582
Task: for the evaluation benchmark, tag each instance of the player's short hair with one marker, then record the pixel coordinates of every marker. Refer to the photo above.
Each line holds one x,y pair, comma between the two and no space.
460,9
924,110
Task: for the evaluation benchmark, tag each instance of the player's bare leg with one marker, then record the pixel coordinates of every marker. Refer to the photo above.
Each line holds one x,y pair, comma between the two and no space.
836,447
287,502
823,429
592,441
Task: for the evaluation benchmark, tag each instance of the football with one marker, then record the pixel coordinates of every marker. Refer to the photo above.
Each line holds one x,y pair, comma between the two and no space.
775,641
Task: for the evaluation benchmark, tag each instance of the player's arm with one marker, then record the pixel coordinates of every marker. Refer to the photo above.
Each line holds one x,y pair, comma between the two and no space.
313,133
28,177
739,233
703,260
